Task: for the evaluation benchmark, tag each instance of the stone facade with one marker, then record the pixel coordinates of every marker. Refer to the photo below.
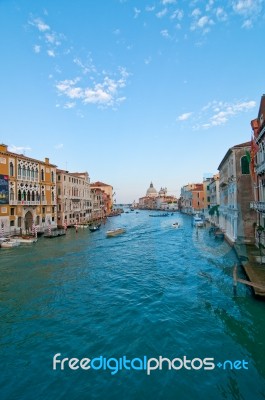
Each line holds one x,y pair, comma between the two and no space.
73,198
235,216
28,193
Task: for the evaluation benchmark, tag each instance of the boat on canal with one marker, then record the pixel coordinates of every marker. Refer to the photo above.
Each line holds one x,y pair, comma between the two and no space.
159,215
115,232
197,221
176,225
94,228
9,243
25,239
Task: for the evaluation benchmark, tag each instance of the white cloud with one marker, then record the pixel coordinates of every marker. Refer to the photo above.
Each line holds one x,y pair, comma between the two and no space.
161,13
202,23
104,93
247,24
67,106
247,7
18,149
164,2
218,113
39,24
51,53
165,33
36,49
58,146
149,8
184,117
137,12
177,14
221,14
196,13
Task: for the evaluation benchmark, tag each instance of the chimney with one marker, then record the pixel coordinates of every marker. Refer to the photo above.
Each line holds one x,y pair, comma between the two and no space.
47,161
3,148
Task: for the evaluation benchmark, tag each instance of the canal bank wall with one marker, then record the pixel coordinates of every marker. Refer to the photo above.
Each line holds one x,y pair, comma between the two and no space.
253,265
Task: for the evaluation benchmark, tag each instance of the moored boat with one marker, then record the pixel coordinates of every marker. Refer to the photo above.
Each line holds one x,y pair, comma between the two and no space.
115,232
25,239
198,221
94,228
8,243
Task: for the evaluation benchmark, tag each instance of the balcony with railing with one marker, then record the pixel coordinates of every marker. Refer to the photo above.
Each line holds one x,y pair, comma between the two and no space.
24,203
262,131
260,168
258,206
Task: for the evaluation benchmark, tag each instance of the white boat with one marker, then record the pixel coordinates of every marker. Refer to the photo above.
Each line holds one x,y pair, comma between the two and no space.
8,243
25,239
115,232
176,225
197,221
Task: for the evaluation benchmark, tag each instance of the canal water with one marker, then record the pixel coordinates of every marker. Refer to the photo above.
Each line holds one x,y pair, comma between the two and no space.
153,291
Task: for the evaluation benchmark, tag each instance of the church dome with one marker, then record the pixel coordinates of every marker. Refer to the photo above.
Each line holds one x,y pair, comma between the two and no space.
151,192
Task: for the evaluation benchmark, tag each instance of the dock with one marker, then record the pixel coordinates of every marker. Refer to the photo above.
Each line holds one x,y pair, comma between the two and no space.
253,266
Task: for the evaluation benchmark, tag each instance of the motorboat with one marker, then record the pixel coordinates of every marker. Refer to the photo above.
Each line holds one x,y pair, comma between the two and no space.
176,225
25,239
94,228
8,243
198,221
115,232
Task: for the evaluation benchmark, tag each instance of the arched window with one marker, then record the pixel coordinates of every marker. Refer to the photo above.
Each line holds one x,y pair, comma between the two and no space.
28,196
11,169
24,195
42,174
52,176
52,196
19,171
244,165
23,172
42,196
36,174
28,173
32,196
19,195
32,174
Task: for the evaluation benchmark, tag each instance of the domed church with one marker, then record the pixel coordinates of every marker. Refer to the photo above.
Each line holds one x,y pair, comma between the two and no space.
151,191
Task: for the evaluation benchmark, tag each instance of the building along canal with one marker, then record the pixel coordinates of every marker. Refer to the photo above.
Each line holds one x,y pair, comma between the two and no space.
153,291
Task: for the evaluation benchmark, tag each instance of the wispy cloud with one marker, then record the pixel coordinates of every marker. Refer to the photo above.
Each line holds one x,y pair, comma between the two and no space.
90,86
165,33
218,113
39,24
18,149
51,53
49,39
36,49
104,93
164,2
161,13
58,146
184,117
137,12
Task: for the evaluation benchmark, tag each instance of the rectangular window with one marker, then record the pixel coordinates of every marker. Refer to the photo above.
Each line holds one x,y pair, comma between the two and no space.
12,211
43,210
12,223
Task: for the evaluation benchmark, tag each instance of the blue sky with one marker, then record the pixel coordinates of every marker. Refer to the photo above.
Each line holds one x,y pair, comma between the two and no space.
131,91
